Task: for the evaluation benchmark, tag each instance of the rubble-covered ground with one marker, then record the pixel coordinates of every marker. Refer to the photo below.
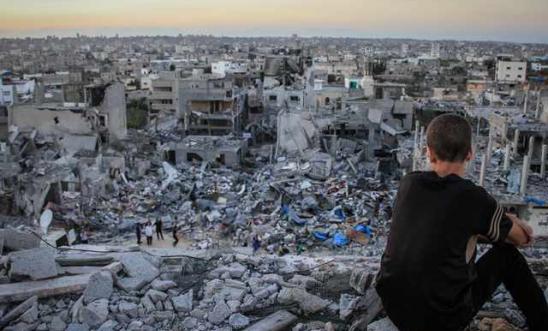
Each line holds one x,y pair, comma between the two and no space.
321,240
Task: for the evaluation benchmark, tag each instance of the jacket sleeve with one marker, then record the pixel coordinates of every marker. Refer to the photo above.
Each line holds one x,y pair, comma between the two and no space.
487,216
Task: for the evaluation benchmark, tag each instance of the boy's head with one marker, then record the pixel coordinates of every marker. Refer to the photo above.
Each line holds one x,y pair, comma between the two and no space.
449,139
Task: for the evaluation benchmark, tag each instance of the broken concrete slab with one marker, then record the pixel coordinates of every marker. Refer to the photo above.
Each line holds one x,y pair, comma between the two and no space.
101,248
79,270
100,286
183,303
43,288
361,280
31,315
309,303
163,285
77,327
384,324
139,270
278,321
372,305
220,312
17,240
36,264
77,260
95,313
18,311
238,321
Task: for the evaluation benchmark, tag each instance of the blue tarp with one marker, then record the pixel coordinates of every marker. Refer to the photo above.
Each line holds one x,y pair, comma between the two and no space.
323,236
338,214
364,229
340,239
534,200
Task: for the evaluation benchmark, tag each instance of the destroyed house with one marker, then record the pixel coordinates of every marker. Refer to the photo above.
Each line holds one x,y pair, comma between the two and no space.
212,106
219,150
104,113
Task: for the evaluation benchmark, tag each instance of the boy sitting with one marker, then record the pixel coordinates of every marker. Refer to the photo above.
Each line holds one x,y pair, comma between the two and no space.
430,279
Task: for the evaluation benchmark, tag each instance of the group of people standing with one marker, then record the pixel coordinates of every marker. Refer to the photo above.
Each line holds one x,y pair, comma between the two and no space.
149,228
149,231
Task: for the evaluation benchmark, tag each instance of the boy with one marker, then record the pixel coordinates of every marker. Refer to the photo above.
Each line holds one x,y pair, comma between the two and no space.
148,232
429,278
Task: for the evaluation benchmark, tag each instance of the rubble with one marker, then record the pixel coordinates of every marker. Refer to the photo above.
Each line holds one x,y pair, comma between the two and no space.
36,264
14,292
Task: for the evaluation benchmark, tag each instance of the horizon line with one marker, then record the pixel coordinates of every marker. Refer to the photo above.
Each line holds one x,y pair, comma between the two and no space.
73,34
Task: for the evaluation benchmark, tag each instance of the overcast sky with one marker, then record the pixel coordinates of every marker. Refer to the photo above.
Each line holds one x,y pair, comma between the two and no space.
507,20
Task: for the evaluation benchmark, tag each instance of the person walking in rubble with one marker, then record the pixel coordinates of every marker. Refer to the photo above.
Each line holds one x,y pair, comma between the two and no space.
138,229
256,244
159,229
430,278
148,233
175,234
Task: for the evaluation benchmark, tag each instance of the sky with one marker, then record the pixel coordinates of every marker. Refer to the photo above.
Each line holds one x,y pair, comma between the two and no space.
504,20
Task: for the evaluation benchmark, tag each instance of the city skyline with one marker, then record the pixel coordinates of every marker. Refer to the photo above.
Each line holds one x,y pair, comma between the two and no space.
501,20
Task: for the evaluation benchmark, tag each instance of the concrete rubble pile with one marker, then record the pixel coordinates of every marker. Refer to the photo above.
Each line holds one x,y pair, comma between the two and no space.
93,287
349,205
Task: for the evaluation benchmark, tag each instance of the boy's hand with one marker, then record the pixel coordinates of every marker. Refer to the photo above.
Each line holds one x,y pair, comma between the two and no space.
527,229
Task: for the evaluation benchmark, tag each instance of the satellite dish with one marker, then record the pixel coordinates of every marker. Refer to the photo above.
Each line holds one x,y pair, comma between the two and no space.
45,220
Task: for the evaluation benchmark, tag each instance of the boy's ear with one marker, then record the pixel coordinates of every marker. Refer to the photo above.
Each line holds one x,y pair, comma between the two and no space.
469,156
430,155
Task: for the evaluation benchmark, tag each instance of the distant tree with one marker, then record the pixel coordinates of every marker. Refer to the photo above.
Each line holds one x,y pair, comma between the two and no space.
490,64
379,68
137,111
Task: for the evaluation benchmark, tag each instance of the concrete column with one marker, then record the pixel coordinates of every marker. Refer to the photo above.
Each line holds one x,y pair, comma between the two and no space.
483,169
543,160
421,139
524,175
417,129
478,127
531,148
507,152
489,147
537,108
516,141
525,102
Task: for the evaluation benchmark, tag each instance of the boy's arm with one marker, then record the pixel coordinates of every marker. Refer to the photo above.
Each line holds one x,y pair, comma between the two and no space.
488,219
521,234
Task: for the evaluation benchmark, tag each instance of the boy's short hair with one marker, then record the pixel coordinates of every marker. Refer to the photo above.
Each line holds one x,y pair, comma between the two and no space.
449,137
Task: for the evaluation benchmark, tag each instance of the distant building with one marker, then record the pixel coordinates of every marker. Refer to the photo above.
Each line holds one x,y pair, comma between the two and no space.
435,51
404,49
511,71
164,94
227,67
7,94
539,67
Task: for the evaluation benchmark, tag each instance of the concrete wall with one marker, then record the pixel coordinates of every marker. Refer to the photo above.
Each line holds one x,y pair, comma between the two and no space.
49,121
232,158
114,104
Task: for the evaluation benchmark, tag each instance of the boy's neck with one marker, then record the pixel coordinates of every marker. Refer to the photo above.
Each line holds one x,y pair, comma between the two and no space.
444,168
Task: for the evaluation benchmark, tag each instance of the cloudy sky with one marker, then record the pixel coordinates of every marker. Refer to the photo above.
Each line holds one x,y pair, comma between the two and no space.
508,20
